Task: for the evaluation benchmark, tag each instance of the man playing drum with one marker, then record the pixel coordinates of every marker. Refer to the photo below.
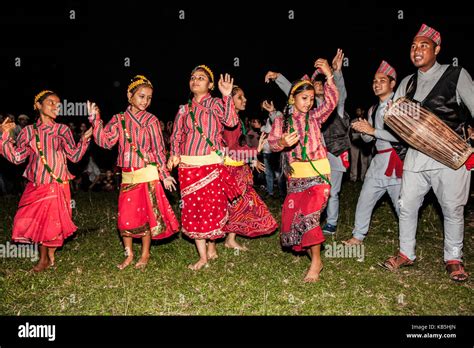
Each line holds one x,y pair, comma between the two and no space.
446,91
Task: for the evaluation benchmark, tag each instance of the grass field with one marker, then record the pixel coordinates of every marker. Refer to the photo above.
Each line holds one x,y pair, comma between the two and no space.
262,281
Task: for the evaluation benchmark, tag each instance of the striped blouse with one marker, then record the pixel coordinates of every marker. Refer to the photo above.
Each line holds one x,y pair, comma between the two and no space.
211,114
145,132
58,146
317,116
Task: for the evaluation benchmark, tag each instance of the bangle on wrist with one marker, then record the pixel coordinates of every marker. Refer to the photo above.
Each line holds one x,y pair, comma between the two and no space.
329,77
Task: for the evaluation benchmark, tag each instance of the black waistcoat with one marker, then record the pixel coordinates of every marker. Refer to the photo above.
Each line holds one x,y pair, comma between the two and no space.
336,133
442,99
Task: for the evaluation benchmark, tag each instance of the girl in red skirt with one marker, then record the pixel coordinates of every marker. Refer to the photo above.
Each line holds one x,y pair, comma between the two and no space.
248,215
305,163
44,214
196,145
143,210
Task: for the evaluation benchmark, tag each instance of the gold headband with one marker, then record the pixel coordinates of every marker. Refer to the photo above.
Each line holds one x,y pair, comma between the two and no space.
291,99
299,84
142,80
39,95
209,71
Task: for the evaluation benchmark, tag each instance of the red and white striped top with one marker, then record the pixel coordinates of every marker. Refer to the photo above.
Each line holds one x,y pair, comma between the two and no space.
317,117
145,131
211,114
58,146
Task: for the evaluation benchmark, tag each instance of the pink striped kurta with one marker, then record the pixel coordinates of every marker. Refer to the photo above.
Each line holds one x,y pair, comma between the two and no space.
307,197
145,131
58,146
205,189
211,114
44,215
317,117
143,208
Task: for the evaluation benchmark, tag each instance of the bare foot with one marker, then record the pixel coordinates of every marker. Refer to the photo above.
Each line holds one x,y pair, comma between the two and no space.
198,265
211,251
236,246
51,256
352,241
41,266
141,264
313,274
126,262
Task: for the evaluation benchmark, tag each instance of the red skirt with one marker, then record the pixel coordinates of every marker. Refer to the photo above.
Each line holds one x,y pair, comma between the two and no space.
44,215
249,215
205,191
143,208
306,199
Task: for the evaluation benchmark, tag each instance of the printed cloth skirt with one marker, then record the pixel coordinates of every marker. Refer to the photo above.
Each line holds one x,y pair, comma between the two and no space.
143,208
205,193
248,215
301,213
44,215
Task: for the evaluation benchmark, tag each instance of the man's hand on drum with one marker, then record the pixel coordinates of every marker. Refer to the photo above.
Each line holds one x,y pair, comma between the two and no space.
363,126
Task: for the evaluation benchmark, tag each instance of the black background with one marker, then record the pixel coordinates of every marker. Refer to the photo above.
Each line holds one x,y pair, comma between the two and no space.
84,58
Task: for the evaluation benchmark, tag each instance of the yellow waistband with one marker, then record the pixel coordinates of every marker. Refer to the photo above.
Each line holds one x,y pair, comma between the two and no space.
230,162
305,170
212,158
147,174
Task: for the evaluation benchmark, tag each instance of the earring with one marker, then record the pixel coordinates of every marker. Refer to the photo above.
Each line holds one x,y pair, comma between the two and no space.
291,100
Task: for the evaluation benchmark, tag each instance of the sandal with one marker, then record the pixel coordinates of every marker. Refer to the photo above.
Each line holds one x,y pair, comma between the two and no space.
395,262
456,271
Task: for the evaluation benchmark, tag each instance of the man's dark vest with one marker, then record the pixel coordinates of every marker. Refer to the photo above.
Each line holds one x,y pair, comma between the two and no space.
442,99
336,133
400,147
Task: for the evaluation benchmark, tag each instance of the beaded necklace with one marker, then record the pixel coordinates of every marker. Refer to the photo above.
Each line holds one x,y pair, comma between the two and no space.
244,130
199,128
43,158
304,154
132,144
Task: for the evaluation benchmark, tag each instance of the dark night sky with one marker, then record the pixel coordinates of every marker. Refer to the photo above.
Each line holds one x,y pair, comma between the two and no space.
84,58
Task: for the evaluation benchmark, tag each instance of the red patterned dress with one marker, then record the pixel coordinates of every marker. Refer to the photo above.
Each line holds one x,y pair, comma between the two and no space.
248,215
307,194
206,184
143,207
